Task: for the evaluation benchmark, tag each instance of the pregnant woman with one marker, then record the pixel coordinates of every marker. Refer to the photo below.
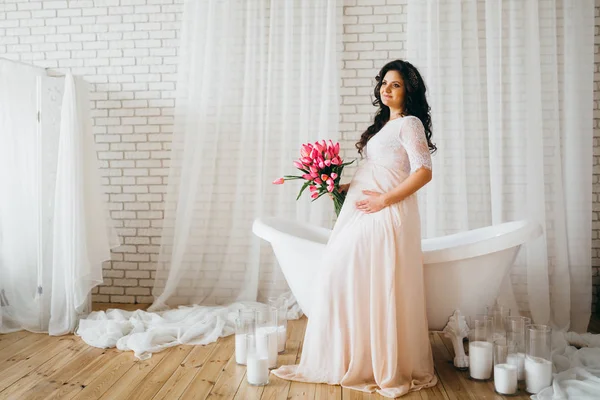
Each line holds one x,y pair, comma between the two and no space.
367,328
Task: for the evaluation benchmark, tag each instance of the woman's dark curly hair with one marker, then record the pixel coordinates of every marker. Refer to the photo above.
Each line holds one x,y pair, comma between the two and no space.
415,102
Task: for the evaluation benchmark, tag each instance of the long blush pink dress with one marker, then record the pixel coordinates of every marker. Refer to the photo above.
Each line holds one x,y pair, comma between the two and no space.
367,326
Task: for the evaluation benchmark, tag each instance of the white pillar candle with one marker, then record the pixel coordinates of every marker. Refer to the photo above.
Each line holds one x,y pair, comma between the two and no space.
518,360
481,360
266,344
281,337
538,374
257,371
240,348
505,378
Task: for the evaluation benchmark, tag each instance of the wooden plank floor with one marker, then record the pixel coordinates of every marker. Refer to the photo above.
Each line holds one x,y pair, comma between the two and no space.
37,366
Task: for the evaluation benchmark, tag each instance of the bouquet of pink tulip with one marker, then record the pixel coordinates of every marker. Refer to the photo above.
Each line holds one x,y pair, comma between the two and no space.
321,167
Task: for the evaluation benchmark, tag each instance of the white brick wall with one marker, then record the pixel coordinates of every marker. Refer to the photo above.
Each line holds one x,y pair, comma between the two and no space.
596,196
374,33
128,50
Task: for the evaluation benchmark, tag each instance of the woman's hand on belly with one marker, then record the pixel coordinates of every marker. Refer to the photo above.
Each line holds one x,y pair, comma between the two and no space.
372,204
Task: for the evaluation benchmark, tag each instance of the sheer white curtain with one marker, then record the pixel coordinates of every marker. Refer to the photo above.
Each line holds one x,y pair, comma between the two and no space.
510,87
256,80
82,233
54,231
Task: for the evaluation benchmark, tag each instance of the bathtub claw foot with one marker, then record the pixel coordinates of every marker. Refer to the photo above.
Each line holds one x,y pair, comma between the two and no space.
456,330
461,363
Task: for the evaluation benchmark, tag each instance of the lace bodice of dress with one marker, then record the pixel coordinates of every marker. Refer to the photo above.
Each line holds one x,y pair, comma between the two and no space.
401,143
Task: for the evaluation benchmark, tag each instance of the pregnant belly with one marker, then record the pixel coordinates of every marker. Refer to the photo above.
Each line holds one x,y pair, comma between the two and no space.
375,177
378,179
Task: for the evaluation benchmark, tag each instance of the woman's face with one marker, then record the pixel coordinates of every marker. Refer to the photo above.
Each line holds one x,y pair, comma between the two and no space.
392,91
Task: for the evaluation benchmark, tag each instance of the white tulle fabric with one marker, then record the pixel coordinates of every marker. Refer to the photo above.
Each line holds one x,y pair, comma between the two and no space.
54,230
510,87
255,80
82,234
146,333
576,359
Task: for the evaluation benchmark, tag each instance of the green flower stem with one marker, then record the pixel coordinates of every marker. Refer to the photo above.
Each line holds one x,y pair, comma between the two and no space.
338,201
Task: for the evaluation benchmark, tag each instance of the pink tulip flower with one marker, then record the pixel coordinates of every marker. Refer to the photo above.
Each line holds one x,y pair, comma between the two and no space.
278,181
305,150
298,165
308,177
327,163
312,188
324,177
334,175
318,181
314,195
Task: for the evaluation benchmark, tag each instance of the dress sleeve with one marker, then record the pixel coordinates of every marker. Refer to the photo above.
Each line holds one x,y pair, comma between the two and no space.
412,137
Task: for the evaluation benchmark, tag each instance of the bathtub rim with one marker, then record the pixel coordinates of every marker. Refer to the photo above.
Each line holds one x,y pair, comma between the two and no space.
524,231
265,231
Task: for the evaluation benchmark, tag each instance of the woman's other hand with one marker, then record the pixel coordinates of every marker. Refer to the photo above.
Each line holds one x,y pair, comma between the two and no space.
342,189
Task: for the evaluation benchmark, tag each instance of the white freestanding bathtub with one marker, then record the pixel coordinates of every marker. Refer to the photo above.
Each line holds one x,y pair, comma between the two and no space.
462,271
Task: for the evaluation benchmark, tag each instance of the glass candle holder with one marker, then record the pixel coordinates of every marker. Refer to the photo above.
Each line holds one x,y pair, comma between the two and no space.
281,306
266,334
538,361
257,371
516,356
481,355
244,325
505,373
498,313
515,334
516,324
